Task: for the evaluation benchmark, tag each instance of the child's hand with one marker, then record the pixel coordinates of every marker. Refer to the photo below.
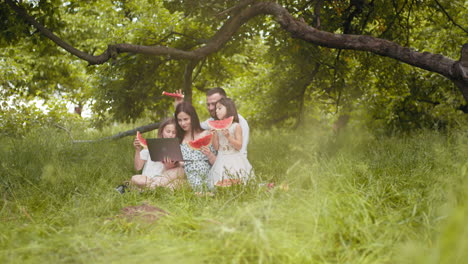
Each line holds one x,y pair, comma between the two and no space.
137,144
168,163
206,150
226,133
178,100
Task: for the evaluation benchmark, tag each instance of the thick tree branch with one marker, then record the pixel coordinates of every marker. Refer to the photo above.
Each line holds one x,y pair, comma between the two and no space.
454,70
460,68
131,132
111,51
447,67
80,54
236,8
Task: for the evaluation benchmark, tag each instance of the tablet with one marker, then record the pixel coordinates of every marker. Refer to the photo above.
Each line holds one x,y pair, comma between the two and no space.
159,148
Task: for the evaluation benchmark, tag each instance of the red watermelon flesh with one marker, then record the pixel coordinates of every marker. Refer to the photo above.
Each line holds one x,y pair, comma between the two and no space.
221,124
198,143
175,95
142,140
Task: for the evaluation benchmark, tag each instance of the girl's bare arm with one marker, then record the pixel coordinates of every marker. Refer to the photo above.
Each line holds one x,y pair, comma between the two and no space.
138,162
215,140
236,140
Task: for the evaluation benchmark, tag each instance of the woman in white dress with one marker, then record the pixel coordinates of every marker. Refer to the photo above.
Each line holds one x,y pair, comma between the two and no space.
231,166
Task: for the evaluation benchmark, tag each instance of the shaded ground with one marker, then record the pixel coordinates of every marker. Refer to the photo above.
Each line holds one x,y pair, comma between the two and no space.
144,212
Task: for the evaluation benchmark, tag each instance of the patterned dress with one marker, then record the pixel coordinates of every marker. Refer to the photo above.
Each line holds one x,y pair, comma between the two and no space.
230,163
196,167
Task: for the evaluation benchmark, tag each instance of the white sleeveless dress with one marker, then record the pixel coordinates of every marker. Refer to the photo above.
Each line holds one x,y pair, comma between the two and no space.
230,163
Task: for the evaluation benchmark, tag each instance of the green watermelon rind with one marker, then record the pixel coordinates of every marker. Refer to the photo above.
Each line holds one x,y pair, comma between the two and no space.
198,143
221,124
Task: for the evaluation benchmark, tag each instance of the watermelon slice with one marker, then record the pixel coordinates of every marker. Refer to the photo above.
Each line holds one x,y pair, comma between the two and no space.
142,140
220,124
198,143
175,95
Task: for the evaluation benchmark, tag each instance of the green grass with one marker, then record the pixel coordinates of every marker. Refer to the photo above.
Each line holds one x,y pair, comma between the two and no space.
353,198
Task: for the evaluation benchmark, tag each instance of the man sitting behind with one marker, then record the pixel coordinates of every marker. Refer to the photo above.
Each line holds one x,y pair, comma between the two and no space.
212,97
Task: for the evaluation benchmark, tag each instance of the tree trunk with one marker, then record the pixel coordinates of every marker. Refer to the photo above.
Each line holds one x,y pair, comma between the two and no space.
188,74
456,71
460,69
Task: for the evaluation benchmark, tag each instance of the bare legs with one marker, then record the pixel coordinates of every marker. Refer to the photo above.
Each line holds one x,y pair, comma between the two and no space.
171,179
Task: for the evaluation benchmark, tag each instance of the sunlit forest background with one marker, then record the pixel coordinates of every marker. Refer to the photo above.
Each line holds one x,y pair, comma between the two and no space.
366,155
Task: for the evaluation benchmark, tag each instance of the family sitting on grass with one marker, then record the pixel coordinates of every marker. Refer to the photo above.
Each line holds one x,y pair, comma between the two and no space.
222,163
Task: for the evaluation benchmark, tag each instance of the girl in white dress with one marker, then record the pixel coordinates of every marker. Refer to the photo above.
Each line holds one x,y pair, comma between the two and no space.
155,173
231,166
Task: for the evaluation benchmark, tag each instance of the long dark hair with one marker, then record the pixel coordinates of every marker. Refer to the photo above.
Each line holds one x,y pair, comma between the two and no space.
163,124
187,108
230,108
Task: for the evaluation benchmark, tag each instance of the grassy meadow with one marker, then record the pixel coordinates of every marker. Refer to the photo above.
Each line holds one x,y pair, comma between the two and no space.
351,198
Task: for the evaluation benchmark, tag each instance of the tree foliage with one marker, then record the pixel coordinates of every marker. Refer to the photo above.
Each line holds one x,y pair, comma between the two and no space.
272,65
